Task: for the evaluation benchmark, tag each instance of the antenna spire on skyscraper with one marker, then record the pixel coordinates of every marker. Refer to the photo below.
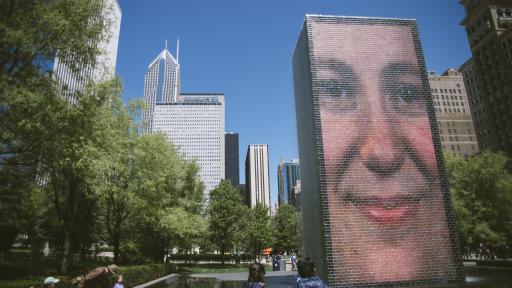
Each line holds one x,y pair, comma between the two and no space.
165,44
178,51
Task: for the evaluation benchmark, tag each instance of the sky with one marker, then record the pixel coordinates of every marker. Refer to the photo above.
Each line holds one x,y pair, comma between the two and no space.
243,48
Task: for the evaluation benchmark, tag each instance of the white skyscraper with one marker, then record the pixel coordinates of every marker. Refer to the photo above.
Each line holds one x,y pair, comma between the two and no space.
71,82
161,85
194,122
257,175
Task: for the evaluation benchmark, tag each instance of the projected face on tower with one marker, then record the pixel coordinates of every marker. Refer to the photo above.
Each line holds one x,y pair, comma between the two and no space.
386,210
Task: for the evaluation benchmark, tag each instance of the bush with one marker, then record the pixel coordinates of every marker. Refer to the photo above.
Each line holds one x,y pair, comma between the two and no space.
130,253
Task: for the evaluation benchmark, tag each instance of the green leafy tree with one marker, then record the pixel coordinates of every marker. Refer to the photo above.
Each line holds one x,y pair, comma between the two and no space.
172,197
286,229
255,231
481,190
119,172
224,214
40,131
74,152
31,33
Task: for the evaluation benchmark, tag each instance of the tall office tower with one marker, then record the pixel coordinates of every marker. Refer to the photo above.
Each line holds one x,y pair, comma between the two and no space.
257,183
161,85
488,25
195,124
453,113
475,102
71,82
288,173
232,159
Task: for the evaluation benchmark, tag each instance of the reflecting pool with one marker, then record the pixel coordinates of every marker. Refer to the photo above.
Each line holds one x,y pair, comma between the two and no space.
476,276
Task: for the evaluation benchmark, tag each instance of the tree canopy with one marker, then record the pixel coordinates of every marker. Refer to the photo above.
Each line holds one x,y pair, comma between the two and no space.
225,211
481,190
286,229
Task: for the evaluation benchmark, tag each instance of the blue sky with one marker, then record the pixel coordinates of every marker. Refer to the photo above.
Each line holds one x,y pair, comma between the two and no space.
243,48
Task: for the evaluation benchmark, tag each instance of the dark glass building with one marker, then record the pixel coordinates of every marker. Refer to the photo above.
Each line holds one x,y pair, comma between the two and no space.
232,159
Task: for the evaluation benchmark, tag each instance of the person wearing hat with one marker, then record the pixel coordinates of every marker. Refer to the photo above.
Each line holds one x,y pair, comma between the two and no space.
50,282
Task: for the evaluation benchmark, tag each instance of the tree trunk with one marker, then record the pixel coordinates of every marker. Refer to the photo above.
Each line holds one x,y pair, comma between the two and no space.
116,244
222,256
66,255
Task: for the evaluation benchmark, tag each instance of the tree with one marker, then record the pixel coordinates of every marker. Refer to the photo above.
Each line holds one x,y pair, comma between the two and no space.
225,212
171,194
30,34
285,228
254,231
74,151
39,130
481,190
119,194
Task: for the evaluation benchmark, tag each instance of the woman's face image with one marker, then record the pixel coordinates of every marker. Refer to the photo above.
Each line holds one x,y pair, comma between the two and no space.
387,215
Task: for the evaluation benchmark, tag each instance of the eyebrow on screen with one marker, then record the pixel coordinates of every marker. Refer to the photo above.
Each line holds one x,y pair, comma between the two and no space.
339,68
394,70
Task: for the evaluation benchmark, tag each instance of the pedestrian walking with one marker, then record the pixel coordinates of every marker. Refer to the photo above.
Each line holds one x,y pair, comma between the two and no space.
293,259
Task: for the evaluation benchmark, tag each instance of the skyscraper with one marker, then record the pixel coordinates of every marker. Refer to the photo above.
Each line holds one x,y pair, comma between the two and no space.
232,159
489,30
161,85
288,173
453,113
71,82
194,122
257,185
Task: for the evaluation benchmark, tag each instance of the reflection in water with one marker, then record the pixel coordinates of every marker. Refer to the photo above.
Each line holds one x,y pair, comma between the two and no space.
476,277
204,283
487,277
